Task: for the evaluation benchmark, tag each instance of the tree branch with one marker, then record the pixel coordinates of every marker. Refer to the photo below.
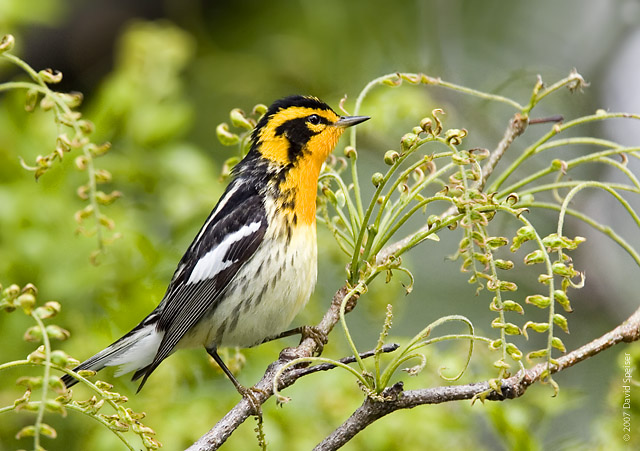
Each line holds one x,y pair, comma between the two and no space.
511,388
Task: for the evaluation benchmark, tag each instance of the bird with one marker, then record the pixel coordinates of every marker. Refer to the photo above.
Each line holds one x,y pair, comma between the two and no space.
253,264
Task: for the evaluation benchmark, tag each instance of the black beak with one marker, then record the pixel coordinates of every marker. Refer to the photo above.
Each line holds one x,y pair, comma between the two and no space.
348,121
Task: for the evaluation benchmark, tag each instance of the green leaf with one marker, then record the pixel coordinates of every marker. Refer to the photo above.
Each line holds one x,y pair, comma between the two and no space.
538,300
537,256
225,136
523,234
562,299
558,344
560,321
538,327
503,264
537,354
512,306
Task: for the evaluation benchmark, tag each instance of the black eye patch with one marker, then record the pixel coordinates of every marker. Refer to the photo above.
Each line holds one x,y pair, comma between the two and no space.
298,134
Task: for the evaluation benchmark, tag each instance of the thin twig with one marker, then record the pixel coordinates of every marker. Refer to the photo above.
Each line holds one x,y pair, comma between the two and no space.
298,373
511,388
517,126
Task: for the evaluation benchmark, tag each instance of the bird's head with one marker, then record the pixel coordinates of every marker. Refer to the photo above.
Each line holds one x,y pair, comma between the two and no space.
300,131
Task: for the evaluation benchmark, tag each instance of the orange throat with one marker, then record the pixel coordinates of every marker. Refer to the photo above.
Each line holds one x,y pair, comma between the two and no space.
302,184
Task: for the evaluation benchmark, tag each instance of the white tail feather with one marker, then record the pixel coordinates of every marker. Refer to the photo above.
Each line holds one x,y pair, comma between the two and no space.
138,352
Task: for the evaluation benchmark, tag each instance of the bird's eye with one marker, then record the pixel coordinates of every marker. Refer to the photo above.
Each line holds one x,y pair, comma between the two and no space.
314,119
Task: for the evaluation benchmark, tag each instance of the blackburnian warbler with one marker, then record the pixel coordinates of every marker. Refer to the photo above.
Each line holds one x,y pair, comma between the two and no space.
253,264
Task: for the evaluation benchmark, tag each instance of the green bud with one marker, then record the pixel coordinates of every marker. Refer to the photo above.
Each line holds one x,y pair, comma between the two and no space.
514,352
102,385
26,301
27,431
48,310
238,119
390,157
116,425
81,162
560,321
259,109
71,99
562,299
512,306
503,264
37,356
66,396
102,176
494,242
537,354
225,136
56,407
523,234
377,179
563,269
6,43
482,258
455,136
512,329
433,219
537,327
538,300
87,127
47,103
558,344
545,278
30,382
31,100
100,150
33,334
107,199
57,332
331,197
87,373
50,76
408,141
501,364
534,257
555,242
425,125
350,152
461,160
559,165
507,286
30,288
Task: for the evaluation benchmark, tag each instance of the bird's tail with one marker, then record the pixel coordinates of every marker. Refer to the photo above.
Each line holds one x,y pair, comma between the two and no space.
135,351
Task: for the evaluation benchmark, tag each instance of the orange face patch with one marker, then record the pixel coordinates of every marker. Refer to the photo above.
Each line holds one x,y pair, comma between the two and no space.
275,147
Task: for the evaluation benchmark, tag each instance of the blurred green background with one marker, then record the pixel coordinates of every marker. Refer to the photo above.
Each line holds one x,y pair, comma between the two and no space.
158,76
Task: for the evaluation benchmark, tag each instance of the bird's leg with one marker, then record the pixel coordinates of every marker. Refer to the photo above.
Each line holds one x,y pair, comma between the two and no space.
247,393
305,332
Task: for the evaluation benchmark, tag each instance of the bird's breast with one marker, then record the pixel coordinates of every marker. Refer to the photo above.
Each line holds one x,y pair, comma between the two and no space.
269,289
